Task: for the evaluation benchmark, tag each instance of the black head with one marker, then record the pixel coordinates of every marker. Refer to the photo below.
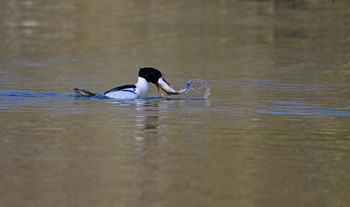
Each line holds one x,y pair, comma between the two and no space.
150,74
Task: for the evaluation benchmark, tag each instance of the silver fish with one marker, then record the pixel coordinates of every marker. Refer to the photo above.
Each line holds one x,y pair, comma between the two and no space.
165,86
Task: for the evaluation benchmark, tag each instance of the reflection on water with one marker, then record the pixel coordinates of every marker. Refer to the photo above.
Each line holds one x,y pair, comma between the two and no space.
273,132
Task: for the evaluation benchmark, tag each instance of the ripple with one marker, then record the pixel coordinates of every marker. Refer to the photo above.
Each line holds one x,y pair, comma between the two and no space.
300,108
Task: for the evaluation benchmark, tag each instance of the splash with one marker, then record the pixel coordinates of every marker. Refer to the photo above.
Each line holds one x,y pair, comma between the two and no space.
197,85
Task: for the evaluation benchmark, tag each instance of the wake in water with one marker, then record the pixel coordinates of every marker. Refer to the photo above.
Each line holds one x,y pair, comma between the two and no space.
11,98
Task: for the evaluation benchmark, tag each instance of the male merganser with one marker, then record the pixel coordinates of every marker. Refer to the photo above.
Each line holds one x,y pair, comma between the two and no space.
136,91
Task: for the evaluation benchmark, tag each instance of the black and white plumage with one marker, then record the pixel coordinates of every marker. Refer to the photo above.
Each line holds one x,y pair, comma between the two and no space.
135,91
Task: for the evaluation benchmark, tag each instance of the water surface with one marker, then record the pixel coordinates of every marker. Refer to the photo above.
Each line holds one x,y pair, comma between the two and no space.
274,131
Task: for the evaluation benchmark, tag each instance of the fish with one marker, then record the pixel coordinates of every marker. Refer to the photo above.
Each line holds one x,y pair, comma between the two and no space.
166,87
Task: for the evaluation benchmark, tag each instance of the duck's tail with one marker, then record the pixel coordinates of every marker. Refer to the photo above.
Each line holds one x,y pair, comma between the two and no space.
83,92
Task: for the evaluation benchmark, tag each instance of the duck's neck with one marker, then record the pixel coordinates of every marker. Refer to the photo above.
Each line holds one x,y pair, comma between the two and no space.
142,87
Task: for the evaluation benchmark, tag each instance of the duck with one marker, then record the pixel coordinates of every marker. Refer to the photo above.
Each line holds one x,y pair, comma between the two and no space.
138,90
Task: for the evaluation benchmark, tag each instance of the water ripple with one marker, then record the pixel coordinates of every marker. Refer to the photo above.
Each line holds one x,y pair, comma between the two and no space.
299,108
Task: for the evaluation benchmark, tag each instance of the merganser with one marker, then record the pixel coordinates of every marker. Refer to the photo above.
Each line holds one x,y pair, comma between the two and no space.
136,91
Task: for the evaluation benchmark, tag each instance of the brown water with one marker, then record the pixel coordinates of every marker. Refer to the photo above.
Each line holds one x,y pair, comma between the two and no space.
275,130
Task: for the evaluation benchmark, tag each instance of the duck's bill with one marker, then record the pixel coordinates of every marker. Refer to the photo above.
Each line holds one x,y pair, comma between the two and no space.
165,86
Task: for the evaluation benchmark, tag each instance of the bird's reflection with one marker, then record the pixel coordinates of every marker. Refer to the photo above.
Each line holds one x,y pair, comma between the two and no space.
147,117
148,139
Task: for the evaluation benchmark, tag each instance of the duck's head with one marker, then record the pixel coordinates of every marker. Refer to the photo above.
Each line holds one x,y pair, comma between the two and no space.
153,75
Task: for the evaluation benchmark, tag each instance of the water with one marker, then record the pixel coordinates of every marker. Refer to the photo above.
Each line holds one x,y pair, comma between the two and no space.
274,130
198,85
